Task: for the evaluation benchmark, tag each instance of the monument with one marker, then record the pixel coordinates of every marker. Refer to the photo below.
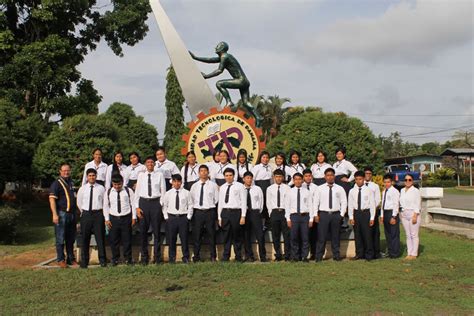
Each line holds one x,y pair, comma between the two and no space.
212,127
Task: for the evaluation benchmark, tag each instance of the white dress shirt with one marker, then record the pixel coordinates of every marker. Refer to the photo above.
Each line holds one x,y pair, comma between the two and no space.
262,172
292,169
126,203
158,187
306,203
318,169
256,197
367,200
217,171
339,199
101,171
390,201
210,195
237,198
272,196
345,167
243,169
167,167
132,171
286,171
83,197
193,173
185,203
374,187
108,174
410,199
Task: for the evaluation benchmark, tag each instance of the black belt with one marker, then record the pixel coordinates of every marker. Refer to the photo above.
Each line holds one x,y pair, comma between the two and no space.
232,209
364,210
278,209
328,212
203,209
94,211
301,214
388,210
121,216
177,215
149,199
254,210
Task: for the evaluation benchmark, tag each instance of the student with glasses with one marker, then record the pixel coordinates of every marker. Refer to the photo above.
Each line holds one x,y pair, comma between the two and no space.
410,207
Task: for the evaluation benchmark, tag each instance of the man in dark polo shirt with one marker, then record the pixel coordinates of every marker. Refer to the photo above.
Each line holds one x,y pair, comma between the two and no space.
62,202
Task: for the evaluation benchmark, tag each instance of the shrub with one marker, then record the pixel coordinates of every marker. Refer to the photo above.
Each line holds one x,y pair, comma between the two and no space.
9,217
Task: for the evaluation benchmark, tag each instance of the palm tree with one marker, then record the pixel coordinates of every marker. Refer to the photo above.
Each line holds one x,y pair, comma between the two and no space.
272,111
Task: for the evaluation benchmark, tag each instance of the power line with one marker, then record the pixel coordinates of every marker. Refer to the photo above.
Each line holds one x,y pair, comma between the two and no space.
435,132
403,125
418,115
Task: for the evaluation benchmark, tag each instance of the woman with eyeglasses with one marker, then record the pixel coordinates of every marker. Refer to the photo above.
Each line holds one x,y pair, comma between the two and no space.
410,208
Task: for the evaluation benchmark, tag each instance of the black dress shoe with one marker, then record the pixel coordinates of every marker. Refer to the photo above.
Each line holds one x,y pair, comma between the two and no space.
130,263
337,259
250,259
239,260
114,263
213,260
144,263
103,264
263,259
356,258
185,260
306,260
318,259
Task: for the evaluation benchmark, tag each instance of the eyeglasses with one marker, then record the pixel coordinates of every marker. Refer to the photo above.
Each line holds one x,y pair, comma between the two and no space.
408,180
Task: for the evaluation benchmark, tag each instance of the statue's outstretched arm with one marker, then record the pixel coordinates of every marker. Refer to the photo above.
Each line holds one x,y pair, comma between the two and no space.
209,60
216,72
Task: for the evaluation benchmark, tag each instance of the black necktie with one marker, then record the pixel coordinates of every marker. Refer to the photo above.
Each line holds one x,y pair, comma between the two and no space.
227,193
278,197
366,184
359,200
384,197
201,196
149,184
330,197
307,186
249,200
119,203
91,196
298,202
177,200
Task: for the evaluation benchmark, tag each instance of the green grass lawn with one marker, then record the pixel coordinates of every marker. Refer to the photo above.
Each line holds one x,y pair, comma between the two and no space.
458,191
441,281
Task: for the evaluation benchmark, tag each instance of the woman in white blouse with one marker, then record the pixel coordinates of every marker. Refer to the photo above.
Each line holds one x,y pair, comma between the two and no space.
410,207
319,167
345,170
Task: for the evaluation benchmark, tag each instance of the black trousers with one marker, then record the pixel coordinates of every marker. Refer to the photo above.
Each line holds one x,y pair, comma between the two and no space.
376,234
177,225
204,221
363,235
152,217
121,232
254,228
232,232
279,228
92,223
328,222
312,238
299,236
264,184
392,234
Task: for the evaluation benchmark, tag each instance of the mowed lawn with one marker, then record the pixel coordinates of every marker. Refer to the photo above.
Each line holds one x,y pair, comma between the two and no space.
441,281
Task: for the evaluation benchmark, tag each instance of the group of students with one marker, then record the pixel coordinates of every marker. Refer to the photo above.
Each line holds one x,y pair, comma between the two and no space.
305,206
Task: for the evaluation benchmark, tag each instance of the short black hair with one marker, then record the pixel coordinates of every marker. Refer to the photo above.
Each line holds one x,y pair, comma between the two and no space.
96,149
176,177
150,158
91,170
134,153
329,170
297,175
306,171
341,149
368,169
64,164
227,170
248,173
117,178
278,172
388,176
204,167
359,173
160,148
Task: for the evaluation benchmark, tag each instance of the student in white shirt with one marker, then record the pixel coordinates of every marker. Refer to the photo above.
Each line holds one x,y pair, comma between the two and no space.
99,166
299,217
361,216
177,211
262,177
120,217
190,170
253,219
149,193
344,170
116,167
231,212
205,194
389,217
295,165
167,167
330,205
217,173
90,201
132,171
280,162
215,160
374,187
312,188
242,165
410,207
319,167
276,196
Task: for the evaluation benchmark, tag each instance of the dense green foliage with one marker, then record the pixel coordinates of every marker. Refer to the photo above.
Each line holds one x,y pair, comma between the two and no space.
9,218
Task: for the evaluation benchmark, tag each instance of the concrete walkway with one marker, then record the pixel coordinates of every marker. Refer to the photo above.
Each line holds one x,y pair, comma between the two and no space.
467,232
458,201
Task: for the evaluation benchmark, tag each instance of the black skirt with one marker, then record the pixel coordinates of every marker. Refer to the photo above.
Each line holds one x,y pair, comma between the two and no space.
189,184
319,181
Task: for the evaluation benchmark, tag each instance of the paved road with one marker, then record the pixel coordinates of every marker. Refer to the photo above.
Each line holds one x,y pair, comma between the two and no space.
458,201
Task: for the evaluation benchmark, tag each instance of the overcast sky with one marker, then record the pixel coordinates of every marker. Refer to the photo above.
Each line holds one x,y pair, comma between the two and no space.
397,62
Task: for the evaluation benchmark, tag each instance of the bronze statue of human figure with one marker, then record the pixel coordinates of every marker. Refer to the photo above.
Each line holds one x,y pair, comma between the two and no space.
239,81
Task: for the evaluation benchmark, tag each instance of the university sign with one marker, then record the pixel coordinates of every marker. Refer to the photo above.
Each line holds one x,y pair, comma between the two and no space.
223,130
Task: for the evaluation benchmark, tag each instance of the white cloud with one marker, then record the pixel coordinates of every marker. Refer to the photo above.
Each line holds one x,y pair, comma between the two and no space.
405,32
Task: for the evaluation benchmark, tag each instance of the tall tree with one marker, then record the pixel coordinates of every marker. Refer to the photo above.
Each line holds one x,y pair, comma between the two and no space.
174,128
272,111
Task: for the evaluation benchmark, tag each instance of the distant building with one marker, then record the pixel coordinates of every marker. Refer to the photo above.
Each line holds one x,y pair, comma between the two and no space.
464,158
431,162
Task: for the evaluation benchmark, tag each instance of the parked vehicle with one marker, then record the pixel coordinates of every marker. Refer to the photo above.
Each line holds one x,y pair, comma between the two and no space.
398,173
